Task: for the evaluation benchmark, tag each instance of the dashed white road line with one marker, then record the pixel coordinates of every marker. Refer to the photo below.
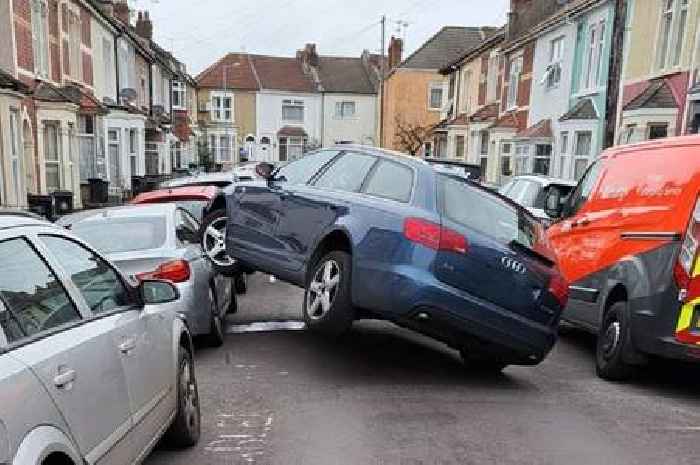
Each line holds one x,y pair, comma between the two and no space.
264,326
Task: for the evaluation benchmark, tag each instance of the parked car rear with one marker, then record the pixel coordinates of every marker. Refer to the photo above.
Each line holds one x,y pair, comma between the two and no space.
370,233
628,242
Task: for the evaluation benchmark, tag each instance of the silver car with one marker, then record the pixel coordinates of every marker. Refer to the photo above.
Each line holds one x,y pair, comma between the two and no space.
160,241
92,369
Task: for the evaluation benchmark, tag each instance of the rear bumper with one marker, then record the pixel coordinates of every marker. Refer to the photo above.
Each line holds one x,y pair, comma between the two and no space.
464,321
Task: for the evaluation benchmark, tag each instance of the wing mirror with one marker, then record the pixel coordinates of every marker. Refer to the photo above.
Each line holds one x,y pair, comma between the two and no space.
265,170
154,292
553,203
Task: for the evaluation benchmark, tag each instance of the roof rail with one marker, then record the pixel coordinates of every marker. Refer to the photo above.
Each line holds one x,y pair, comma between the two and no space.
5,211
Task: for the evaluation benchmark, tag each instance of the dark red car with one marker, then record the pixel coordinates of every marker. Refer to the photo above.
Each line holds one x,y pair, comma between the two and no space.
208,205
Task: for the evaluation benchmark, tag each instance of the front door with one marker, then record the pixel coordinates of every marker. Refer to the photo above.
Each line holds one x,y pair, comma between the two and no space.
142,337
74,356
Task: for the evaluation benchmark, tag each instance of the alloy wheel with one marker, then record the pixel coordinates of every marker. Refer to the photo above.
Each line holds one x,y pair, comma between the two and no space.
323,289
214,243
188,388
611,339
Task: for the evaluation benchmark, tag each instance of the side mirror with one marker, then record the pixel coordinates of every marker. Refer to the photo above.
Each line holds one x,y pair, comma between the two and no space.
154,292
265,170
553,204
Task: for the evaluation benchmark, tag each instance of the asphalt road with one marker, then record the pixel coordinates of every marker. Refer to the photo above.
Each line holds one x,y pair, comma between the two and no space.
385,396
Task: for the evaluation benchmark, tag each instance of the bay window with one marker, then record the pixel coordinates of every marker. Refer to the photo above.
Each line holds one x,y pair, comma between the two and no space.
15,158
543,159
522,155
563,150
179,95
52,156
291,148
344,110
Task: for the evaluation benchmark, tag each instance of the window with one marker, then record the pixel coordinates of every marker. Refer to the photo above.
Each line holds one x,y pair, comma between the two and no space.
516,68
179,95
133,151
347,173
601,54
451,86
582,152
672,29
492,78
32,299
151,154
52,156
344,110
589,73
464,103
40,42
113,152
658,131
108,62
459,146
293,110
629,133
522,154
391,181
556,53
221,107
15,158
563,150
505,159
583,190
225,148
75,58
543,159
435,95
213,153
428,149
302,170
495,217
484,143
291,148
176,155
100,286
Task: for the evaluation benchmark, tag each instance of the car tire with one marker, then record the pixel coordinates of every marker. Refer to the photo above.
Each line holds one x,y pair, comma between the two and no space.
613,343
481,364
233,306
327,307
185,429
215,338
241,283
213,242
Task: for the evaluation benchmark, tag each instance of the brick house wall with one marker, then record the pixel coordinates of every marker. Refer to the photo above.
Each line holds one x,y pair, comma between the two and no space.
23,35
54,42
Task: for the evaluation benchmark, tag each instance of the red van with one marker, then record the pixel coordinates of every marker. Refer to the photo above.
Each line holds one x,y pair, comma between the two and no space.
627,240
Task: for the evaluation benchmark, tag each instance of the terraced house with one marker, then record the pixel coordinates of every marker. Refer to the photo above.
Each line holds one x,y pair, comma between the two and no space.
87,95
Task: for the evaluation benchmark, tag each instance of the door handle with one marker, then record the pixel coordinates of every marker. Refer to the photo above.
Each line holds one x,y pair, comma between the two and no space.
64,378
127,346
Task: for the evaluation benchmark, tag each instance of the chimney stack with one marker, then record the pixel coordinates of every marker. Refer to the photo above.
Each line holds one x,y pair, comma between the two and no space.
121,11
395,52
144,26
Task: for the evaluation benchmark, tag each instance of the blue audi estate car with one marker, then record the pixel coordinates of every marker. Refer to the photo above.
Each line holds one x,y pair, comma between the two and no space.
375,234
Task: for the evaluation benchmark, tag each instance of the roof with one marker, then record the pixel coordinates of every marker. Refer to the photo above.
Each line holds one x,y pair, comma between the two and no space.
541,130
493,37
485,113
342,74
88,103
292,131
459,120
49,93
233,71
446,46
9,82
281,73
509,120
179,193
658,94
584,109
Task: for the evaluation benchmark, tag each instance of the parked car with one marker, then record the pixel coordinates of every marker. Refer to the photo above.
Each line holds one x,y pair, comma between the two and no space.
628,242
458,168
161,242
531,192
245,172
372,234
93,369
220,179
208,205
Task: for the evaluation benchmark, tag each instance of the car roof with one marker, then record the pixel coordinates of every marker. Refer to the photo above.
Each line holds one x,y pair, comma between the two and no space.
200,179
13,218
546,180
385,153
125,211
177,193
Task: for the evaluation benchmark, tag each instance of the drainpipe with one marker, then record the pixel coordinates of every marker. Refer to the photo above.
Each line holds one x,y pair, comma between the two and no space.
617,50
116,63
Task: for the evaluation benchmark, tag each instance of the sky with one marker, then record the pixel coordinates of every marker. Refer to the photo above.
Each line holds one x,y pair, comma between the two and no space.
199,32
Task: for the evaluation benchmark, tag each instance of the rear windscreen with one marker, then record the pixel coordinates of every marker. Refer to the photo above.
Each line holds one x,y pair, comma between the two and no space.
485,212
193,207
115,235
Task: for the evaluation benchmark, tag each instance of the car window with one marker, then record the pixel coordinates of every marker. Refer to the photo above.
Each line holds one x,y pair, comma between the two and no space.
123,234
347,173
485,212
194,207
33,298
302,170
100,286
525,192
186,222
505,190
583,190
391,181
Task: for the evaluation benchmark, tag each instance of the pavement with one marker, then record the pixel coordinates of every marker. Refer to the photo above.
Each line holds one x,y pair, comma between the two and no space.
386,396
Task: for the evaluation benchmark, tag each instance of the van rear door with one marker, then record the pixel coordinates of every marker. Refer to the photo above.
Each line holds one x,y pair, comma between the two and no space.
505,261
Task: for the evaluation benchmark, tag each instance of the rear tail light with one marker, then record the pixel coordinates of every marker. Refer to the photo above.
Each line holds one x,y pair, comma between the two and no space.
434,236
559,288
176,271
686,272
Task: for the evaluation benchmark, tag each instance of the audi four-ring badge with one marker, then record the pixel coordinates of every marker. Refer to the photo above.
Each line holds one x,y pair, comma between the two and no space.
513,265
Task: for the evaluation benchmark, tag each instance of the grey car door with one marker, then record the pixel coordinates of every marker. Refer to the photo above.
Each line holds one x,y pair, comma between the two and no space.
75,357
142,337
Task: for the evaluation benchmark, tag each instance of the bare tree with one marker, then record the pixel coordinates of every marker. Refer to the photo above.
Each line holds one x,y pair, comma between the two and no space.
410,137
